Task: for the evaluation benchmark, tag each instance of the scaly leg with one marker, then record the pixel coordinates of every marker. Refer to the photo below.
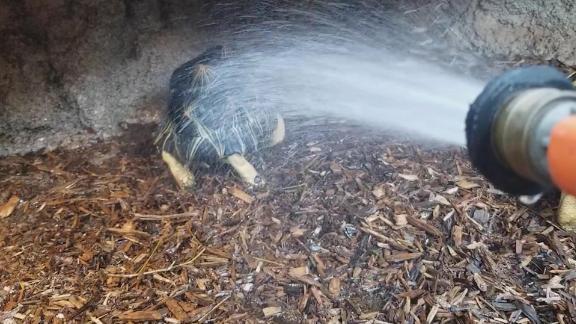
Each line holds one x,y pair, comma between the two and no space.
567,213
279,132
245,170
181,174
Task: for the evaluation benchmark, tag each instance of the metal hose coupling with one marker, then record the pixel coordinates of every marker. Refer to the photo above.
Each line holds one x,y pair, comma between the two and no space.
535,135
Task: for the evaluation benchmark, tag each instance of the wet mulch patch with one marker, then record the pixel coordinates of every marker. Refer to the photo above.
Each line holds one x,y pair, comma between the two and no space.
354,227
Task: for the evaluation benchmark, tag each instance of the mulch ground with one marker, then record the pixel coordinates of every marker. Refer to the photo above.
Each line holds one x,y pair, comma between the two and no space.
355,226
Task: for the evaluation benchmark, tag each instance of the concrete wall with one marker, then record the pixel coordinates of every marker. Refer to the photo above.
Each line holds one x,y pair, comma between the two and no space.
73,70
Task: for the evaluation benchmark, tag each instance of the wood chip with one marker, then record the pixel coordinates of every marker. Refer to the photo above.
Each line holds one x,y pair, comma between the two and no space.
140,316
176,310
271,311
399,257
411,294
296,231
423,226
336,168
307,280
334,228
298,272
8,207
317,295
442,200
400,220
379,191
320,265
409,177
432,314
303,301
480,282
465,184
384,238
335,286
457,235
242,195
369,316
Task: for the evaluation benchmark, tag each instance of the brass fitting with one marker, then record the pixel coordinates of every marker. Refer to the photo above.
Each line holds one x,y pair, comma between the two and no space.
523,126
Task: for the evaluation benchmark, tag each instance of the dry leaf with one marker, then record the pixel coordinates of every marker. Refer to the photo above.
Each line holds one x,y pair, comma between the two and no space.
8,208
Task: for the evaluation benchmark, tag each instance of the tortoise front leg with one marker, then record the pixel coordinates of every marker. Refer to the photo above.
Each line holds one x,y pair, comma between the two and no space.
181,174
245,169
567,213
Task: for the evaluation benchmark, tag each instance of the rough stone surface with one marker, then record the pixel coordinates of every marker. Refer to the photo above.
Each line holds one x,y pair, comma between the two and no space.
71,71
508,28
74,70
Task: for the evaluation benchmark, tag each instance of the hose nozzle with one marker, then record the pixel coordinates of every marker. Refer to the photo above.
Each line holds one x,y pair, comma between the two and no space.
521,131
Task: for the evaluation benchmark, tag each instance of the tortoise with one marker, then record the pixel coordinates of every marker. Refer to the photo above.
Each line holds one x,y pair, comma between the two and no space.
205,125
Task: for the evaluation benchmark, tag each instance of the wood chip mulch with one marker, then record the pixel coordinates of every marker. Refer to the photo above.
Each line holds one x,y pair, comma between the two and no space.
354,227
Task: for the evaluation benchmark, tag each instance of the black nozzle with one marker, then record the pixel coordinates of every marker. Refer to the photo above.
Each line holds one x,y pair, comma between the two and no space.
482,115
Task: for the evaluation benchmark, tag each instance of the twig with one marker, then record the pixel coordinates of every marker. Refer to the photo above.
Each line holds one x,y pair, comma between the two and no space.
160,241
170,268
214,308
268,261
145,217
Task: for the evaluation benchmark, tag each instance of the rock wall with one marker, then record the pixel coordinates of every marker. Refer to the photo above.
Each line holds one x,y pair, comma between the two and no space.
544,29
72,71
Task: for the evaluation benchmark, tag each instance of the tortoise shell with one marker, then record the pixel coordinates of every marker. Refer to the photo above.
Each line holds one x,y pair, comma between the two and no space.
206,119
